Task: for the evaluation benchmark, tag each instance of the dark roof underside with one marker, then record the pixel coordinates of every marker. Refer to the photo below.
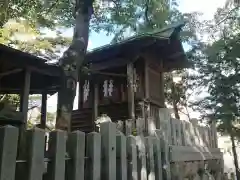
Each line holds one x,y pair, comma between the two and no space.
12,65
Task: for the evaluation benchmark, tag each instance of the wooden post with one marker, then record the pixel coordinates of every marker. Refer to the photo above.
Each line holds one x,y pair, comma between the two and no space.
150,158
94,100
44,110
8,153
94,153
146,72
162,86
130,83
76,151
142,162
95,103
165,134
35,154
132,162
24,97
80,91
56,152
158,157
121,152
108,132
214,134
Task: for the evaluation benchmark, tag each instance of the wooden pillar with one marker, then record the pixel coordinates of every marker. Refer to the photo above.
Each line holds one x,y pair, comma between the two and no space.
214,134
130,83
44,110
80,91
94,100
162,85
162,89
146,80
95,103
24,96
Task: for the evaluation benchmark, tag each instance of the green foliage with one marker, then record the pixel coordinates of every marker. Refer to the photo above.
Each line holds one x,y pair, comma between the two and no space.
219,71
126,17
13,99
22,35
44,13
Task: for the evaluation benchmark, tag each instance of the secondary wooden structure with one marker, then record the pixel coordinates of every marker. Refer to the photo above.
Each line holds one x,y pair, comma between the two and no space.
126,79
22,73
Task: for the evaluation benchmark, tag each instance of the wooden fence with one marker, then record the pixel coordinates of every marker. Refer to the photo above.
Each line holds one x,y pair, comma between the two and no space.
106,155
191,134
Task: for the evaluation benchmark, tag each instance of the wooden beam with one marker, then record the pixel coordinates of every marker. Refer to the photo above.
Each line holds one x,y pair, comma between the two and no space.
10,72
33,91
109,74
104,73
44,110
24,96
47,70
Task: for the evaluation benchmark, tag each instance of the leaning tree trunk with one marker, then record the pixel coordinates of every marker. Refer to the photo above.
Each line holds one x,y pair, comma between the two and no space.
235,157
71,62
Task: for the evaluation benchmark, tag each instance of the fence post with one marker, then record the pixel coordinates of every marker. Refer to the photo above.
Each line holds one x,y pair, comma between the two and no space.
35,153
157,158
214,134
94,155
174,131
165,159
76,151
149,145
141,159
108,132
57,153
132,158
121,157
165,116
8,152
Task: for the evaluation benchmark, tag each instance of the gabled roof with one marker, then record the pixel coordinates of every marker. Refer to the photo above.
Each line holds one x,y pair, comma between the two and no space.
164,33
165,43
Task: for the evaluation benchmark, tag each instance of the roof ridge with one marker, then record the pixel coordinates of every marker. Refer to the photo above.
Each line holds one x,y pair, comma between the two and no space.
178,25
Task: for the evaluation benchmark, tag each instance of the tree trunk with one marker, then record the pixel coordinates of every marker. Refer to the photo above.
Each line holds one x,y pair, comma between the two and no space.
71,62
235,157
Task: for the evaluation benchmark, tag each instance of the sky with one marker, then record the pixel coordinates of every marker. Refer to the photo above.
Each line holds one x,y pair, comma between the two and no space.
207,7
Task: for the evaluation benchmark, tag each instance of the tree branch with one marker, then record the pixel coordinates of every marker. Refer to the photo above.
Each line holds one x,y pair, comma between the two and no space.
146,12
228,15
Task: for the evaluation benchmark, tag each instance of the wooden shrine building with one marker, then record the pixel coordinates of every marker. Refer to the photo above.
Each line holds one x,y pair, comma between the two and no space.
126,79
22,73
